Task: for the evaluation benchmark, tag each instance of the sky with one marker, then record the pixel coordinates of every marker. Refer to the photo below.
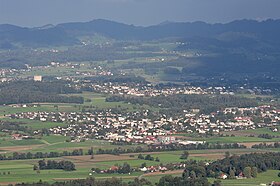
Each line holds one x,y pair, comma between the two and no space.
31,13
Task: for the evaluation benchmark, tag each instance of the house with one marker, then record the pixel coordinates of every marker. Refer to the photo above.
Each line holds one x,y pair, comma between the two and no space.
240,176
17,136
223,176
37,78
114,168
144,169
275,183
166,139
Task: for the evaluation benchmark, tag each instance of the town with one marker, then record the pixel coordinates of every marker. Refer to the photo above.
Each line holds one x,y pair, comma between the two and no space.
138,127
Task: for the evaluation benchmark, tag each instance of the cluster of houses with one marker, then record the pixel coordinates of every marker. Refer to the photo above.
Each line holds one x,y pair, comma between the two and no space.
145,169
152,91
137,127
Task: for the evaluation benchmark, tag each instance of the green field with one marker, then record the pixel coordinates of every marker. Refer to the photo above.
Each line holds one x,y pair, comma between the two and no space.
239,139
262,178
7,143
255,132
22,171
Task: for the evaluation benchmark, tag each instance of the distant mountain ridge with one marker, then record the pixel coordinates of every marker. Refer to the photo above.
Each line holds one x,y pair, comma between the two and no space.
67,33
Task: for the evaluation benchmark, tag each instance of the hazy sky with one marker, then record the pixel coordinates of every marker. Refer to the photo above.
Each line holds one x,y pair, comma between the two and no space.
138,12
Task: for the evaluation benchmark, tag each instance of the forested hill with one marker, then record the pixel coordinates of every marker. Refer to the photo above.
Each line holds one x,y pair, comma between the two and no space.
244,31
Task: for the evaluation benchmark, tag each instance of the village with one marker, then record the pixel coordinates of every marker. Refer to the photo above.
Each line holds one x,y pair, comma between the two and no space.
138,127
149,90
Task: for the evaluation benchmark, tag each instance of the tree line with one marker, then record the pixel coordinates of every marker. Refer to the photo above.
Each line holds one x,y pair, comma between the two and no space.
91,182
205,103
52,164
37,155
265,145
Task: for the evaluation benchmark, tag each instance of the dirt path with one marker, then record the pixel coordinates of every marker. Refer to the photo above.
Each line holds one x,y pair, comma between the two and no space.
7,183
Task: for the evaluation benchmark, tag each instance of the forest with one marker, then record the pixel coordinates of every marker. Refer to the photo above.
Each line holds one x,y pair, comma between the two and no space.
30,92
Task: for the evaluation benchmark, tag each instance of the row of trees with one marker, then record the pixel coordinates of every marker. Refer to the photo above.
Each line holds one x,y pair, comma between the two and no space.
37,155
51,164
265,145
148,157
92,182
171,147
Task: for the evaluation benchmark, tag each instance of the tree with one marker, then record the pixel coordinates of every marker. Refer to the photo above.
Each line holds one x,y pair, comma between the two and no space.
143,165
35,167
185,155
247,172
90,151
192,174
149,157
140,156
68,166
254,172
42,164
227,154
217,183
231,174
125,168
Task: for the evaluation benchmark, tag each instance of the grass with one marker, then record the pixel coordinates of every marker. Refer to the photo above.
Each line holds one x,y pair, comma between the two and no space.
238,139
22,171
230,139
55,139
7,143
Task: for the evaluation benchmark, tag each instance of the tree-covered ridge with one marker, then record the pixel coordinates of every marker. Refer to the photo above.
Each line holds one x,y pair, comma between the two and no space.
31,91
